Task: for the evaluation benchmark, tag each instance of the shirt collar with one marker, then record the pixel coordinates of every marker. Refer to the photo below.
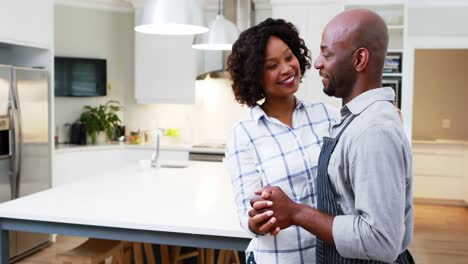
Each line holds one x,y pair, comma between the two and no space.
364,100
257,112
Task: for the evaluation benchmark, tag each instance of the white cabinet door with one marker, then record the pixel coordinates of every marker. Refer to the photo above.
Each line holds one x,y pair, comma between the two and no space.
27,23
165,69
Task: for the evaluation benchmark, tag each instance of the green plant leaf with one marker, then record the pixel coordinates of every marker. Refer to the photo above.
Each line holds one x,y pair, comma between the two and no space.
101,118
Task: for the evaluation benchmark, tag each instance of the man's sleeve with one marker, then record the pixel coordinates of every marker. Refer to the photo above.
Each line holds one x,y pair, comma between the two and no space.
378,178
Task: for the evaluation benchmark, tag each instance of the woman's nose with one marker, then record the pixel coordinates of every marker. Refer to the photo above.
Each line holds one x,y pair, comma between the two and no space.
285,68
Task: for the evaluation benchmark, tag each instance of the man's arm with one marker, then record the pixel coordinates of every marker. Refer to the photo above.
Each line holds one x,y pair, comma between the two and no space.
378,177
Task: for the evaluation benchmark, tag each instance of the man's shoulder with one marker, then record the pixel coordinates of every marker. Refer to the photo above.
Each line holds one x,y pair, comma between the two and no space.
380,117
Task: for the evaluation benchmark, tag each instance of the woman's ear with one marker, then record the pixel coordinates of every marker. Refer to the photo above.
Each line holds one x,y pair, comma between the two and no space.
361,59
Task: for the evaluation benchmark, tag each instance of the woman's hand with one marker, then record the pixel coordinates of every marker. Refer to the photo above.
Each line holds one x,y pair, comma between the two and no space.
282,206
260,217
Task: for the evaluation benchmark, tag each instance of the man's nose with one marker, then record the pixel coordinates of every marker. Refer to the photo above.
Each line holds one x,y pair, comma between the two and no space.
318,63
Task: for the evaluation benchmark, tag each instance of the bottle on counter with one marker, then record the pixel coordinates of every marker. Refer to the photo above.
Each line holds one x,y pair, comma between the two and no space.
147,136
56,135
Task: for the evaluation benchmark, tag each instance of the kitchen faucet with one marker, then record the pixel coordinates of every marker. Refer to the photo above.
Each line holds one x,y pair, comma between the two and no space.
155,156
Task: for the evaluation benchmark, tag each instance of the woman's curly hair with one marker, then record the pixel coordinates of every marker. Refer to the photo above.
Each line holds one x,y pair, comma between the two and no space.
246,61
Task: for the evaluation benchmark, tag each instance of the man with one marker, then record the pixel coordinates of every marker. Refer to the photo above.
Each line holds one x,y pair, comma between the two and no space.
364,207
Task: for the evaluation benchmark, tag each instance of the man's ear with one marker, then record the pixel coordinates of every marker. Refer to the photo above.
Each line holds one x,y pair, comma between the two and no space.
361,59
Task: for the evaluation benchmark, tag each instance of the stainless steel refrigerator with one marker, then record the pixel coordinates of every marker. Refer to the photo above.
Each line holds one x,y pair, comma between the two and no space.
25,148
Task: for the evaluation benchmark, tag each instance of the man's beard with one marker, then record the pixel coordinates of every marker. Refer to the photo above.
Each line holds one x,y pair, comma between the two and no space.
329,90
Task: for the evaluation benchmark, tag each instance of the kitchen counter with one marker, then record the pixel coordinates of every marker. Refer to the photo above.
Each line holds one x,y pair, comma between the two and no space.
117,145
191,206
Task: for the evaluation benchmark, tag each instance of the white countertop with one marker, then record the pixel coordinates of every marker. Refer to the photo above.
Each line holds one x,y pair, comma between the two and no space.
197,200
60,148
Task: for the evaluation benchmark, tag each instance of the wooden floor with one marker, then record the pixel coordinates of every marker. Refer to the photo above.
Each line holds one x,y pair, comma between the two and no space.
440,236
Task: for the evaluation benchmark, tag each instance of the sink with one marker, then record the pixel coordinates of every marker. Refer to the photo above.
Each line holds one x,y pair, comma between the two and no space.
173,164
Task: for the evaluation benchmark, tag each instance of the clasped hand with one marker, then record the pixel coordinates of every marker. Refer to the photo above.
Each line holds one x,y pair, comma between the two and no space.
272,211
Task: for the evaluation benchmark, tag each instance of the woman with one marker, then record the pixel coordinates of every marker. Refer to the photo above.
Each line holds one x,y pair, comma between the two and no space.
279,142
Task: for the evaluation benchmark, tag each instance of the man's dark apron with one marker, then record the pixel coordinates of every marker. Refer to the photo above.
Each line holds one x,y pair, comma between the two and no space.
326,253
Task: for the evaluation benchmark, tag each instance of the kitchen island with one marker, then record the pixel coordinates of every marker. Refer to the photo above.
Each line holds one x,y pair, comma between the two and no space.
190,206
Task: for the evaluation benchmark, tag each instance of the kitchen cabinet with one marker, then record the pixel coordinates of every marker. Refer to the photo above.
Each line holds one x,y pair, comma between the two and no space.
440,171
74,164
27,23
165,69
165,66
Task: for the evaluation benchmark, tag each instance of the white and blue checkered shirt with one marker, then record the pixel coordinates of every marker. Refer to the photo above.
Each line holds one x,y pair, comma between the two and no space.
262,151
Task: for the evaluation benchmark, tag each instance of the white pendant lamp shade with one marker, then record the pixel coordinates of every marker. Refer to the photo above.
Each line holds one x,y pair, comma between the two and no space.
223,33
171,17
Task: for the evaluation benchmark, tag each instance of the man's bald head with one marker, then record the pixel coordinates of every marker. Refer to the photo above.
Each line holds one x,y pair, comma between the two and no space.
361,28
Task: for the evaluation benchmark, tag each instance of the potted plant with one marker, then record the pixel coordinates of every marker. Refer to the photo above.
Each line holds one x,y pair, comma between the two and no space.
102,118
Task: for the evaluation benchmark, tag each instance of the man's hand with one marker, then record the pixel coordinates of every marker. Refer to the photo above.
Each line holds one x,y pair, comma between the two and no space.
282,206
287,213
260,218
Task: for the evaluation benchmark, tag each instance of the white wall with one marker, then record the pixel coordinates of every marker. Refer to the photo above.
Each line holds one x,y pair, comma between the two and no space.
449,88
92,33
443,21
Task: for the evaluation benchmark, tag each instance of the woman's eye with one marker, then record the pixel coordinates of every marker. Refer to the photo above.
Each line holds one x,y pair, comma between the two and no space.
289,58
271,66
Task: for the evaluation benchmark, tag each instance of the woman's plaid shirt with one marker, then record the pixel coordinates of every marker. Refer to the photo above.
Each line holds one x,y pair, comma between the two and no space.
262,151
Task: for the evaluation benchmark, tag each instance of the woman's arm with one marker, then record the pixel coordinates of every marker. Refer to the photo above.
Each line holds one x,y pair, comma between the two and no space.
245,177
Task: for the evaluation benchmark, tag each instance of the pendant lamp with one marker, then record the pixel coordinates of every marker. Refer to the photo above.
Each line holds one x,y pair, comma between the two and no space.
223,33
171,17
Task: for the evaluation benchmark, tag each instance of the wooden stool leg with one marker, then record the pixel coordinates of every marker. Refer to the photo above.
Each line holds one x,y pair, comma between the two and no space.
165,257
209,256
201,256
236,257
149,253
175,254
227,257
221,256
137,253
128,253
117,258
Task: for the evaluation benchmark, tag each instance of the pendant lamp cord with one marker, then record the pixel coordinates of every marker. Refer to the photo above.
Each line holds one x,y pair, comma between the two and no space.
219,7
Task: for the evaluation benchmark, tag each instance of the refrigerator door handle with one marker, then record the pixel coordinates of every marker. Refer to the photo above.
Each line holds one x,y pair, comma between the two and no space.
16,156
15,153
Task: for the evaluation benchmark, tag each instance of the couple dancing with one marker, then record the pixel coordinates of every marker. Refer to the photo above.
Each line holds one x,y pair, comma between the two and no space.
312,186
